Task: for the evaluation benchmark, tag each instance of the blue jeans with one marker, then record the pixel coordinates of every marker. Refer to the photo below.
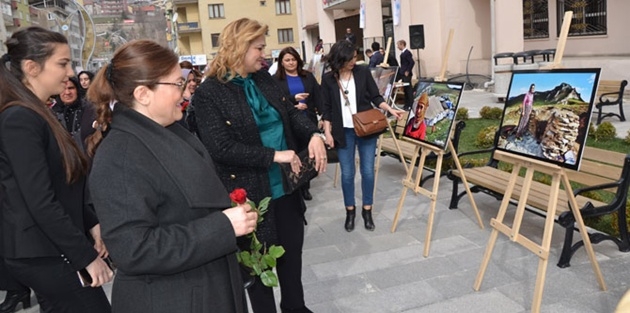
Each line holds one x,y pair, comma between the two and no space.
367,151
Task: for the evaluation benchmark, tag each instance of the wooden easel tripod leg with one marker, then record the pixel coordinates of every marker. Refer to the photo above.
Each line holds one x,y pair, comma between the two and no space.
405,187
495,232
433,197
465,182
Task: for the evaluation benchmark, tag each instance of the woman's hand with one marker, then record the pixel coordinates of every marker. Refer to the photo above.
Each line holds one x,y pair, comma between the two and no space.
99,245
100,272
317,150
243,219
288,156
301,96
395,112
301,106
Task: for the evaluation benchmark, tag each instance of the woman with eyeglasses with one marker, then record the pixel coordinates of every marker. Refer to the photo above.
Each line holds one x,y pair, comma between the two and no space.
249,126
348,89
165,215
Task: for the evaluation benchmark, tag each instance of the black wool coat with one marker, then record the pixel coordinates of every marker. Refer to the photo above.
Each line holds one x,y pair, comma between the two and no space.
159,200
228,130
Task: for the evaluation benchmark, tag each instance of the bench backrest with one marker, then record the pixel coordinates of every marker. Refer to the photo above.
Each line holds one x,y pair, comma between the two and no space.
598,167
611,86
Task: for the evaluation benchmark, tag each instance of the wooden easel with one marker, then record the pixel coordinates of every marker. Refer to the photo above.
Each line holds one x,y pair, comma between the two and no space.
559,176
562,41
423,149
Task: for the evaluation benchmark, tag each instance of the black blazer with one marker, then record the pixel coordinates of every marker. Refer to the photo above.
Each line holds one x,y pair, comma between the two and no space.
366,94
311,87
159,199
42,215
406,63
228,130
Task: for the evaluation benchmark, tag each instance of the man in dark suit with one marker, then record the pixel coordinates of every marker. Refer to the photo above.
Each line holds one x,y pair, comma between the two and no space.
404,72
350,36
377,57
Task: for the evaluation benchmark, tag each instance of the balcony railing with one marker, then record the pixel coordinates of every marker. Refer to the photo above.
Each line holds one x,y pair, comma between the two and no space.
190,27
184,1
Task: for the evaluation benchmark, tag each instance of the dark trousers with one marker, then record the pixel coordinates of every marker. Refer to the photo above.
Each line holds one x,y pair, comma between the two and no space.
408,91
7,281
289,216
57,286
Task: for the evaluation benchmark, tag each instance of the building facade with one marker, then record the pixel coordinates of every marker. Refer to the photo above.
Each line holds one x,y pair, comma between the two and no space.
199,24
481,28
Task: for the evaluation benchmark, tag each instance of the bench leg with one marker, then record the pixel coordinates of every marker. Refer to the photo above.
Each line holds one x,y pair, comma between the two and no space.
599,114
567,248
621,115
624,240
454,194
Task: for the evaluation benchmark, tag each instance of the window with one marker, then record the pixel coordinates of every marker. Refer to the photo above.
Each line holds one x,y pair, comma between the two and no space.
283,7
215,39
285,35
589,16
263,3
535,19
216,11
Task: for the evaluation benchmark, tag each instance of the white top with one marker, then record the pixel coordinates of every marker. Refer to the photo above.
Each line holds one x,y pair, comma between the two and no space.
351,88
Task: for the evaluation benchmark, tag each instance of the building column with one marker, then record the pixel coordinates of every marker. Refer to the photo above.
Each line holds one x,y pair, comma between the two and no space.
373,22
326,24
508,26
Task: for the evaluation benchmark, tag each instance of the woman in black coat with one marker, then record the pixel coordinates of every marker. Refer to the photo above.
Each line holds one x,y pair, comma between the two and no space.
303,91
348,89
165,215
248,125
42,173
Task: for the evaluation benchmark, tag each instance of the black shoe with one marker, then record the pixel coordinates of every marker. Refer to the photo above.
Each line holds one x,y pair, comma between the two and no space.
367,219
350,215
13,298
306,195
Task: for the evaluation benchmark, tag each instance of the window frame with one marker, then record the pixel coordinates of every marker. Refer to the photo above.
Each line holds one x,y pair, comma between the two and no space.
593,15
535,19
285,32
283,7
217,8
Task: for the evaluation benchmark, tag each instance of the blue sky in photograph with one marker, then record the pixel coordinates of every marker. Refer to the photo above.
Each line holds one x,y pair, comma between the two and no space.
582,82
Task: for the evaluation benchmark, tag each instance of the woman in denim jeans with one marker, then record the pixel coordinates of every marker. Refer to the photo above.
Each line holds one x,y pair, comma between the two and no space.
348,89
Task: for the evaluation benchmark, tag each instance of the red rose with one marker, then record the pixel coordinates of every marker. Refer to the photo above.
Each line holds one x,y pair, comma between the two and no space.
238,196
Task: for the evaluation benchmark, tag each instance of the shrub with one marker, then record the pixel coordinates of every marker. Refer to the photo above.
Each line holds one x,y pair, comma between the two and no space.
627,139
491,113
485,138
591,129
605,131
462,114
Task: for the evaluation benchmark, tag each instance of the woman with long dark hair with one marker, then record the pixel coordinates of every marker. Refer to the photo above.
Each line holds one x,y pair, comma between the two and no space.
303,90
354,83
42,173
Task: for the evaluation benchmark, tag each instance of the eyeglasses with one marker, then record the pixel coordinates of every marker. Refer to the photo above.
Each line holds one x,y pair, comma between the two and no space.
180,85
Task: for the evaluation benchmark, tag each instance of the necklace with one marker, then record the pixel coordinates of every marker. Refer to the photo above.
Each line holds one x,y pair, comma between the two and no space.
345,88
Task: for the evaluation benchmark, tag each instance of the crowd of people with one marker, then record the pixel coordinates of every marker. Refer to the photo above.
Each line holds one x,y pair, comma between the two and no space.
128,171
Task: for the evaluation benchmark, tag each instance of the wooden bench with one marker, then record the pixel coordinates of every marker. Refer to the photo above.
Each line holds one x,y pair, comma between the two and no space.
610,92
601,170
388,147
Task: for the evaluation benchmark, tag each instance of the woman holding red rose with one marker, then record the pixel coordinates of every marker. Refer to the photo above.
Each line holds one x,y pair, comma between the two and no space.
166,218
249,126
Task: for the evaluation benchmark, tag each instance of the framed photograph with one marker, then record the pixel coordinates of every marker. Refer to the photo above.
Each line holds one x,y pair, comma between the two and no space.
432,113
547,114
385,78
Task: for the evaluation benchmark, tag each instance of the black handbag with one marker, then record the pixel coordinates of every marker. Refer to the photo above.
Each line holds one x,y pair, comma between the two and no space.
307,172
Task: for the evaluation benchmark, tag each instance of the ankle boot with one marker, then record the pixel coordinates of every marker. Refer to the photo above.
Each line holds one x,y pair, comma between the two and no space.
367,219
13,298
350,215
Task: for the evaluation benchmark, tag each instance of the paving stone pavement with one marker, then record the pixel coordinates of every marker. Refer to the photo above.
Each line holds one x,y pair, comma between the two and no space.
381,271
